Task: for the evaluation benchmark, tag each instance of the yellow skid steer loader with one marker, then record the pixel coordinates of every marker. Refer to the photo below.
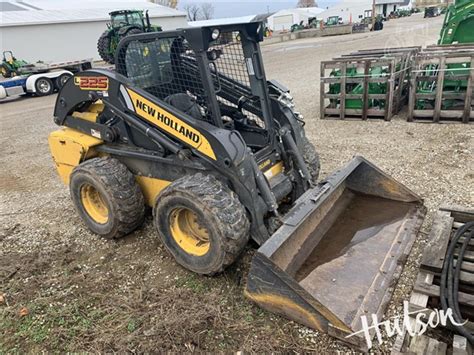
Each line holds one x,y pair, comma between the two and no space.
188,125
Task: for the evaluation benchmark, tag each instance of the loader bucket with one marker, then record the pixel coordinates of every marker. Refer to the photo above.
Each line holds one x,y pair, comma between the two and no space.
339,252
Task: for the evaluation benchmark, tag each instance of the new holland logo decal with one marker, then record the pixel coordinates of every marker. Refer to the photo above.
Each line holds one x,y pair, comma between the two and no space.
99,83
171,124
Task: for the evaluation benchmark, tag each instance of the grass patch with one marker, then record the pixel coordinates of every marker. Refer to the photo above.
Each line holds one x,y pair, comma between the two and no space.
193,283
45,324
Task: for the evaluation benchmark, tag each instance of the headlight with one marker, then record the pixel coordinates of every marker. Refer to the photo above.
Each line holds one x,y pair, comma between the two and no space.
215,34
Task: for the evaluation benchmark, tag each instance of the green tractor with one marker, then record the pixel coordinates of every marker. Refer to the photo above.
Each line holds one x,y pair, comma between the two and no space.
457,29
10,64
123,23
458,23
367,20
297,27
333,21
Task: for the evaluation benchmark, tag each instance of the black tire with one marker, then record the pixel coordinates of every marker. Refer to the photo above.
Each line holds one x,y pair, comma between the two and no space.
44,86
103,47
311,158
61,80
133,31
215,209
5,71
114,187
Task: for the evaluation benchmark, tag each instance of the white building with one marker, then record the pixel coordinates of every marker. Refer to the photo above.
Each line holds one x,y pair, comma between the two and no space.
222,21
385,7
68,30
284,19
355,10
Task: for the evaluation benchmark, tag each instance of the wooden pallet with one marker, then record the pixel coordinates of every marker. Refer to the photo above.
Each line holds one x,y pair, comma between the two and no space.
431,68
396,62
426,292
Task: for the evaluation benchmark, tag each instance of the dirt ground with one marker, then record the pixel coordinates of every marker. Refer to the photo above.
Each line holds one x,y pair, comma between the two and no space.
66,289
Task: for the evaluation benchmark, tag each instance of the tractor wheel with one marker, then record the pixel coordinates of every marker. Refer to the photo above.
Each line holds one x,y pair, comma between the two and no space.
103,47
133,31
107,197
44,86
6,72
61,80
311,158
202,223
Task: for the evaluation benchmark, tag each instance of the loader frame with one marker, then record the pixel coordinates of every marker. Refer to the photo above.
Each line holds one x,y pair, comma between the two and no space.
158,141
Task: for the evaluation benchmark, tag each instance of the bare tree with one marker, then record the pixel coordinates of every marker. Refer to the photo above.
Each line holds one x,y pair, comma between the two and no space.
207,11
193,12
307,3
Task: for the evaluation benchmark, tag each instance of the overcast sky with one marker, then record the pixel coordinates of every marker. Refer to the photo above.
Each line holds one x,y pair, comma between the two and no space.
225,8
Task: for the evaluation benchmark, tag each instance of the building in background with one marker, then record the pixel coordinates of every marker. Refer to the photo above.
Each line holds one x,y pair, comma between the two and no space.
386,7
421,4
230,20
170,3
356,10
68,30
284,19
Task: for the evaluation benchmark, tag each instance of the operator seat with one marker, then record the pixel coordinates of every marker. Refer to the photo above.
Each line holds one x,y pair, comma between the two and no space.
186,104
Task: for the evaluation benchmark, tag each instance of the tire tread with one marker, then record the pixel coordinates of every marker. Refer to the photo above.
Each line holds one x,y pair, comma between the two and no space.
120,183
220,201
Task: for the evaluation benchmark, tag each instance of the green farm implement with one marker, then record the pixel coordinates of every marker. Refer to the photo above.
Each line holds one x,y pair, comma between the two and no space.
458,26
11,65
452,80
366,84
123,23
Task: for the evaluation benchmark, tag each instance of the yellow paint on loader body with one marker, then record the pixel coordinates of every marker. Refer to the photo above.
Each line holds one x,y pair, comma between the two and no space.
274,303
171,124
92,113
275,170
151,187
69,148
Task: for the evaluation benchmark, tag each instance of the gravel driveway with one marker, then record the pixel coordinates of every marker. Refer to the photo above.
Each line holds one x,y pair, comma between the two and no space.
82,293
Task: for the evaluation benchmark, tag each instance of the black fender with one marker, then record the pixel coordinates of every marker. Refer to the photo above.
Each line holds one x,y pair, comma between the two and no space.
124,30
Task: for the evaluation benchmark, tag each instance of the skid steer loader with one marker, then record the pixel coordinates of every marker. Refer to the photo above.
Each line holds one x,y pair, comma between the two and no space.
189,125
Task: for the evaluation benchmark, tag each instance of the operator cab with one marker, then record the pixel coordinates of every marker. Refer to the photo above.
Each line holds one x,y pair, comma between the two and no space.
126,18
209,79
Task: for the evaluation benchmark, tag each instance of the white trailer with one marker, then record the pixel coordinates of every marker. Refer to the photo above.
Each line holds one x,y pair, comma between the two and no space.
42,79
41,67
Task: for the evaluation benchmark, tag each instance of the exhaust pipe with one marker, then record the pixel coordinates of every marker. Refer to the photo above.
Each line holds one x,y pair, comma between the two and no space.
148,24
339,252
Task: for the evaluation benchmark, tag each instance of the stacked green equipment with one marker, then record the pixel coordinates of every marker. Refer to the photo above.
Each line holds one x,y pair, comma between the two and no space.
358,88
458,28
123,23
10,65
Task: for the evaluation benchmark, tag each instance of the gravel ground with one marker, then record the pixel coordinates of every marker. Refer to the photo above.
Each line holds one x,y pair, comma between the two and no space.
84,293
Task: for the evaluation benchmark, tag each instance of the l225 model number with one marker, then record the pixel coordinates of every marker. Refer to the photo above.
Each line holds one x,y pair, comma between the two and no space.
92,82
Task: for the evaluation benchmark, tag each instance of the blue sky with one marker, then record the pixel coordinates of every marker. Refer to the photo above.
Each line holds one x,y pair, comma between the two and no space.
225,8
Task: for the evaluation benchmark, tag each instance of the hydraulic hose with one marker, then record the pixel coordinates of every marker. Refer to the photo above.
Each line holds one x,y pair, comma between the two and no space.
450,277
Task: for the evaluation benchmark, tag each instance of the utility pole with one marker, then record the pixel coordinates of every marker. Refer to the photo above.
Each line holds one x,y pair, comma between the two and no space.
373,15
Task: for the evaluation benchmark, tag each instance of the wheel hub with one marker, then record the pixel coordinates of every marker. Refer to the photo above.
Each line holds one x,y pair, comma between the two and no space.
43,86
94,204
188,232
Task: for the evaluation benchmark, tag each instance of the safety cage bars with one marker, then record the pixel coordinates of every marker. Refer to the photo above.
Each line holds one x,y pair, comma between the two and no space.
164,66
